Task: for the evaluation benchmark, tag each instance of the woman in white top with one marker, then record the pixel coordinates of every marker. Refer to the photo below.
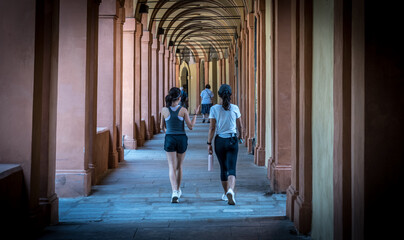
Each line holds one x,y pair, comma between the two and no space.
225,121
206,102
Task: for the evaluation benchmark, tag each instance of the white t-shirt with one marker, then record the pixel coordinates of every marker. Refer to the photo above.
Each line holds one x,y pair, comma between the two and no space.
207,96
225,120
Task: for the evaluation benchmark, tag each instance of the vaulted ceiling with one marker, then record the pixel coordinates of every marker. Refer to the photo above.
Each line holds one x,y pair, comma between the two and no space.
203,27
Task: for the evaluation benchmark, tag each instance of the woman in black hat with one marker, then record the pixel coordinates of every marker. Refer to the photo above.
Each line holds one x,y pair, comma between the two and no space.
225,121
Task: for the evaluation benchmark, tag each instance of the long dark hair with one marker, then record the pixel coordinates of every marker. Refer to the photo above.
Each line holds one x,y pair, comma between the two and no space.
225,93
172,96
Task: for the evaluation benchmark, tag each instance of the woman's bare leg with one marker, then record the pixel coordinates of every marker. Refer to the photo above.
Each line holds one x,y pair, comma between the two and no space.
180,160
172,173
175,168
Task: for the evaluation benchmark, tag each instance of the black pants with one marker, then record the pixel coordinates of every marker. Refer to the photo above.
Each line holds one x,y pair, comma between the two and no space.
226,150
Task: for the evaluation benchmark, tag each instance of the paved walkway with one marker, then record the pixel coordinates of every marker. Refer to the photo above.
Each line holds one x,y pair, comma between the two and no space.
133,201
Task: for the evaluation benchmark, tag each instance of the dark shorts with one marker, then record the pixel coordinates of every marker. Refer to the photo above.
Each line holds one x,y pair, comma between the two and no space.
176,143
206,108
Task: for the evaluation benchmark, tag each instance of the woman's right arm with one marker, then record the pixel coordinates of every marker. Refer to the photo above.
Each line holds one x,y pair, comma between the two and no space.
212,130
240,128
188,121
162,121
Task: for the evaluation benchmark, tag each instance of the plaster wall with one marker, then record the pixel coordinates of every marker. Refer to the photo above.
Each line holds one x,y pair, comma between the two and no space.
269,84
71,86
323,119
17,82
107,7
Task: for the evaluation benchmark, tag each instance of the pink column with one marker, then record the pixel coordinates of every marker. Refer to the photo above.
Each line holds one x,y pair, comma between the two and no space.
118,72
198,90
167,83
206,70
28,70
73,175
225,74
155,87
107,79
162,83
259,156
251,82
244,85
140,133
146,82
128,113
280,167
172,68
303,204
177,72
219,71
293,190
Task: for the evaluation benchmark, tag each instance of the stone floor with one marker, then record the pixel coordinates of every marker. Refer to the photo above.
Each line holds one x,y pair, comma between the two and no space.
133,201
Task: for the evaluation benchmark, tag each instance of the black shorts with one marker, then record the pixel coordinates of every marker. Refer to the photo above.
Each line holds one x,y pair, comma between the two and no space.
206,108
176,143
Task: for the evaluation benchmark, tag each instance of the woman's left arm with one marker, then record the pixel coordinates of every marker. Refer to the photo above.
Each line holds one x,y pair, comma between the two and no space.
187,119
162,121
212,129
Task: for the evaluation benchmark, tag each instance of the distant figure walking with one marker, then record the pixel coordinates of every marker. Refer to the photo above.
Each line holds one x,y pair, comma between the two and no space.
207,96
176,141
225,121
184,96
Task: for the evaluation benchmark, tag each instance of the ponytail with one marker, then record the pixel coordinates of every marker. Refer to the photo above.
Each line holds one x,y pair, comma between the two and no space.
169,101
226,101
172,96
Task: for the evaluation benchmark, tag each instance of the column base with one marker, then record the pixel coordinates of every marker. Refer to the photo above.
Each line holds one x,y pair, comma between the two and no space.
91,168
50,209
113,159
140,142
259,156
120,154
250,145
280,177
73,183
156,126
143,131
130,143
291,195
270,162
149,135
302,215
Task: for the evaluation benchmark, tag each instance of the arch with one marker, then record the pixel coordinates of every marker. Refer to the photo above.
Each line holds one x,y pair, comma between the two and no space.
220,20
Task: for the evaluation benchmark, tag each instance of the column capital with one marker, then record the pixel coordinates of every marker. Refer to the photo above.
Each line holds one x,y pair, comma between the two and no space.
130,25
139,29
155,44
146,37
161,49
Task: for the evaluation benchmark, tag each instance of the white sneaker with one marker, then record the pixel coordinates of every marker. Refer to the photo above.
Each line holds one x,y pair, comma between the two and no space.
179,193
224,197
175,197
230,197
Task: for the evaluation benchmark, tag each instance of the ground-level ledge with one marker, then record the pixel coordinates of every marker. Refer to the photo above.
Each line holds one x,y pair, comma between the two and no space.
8,169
